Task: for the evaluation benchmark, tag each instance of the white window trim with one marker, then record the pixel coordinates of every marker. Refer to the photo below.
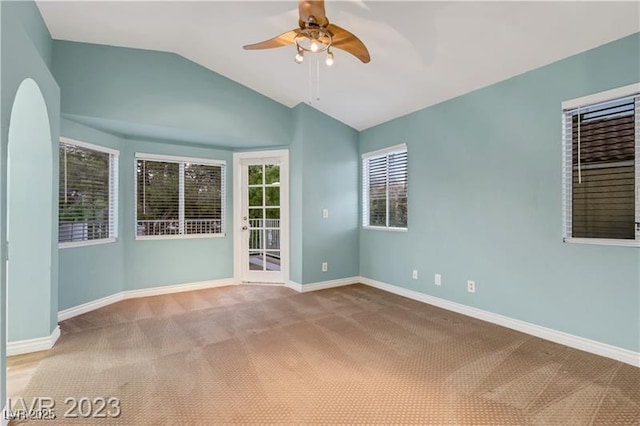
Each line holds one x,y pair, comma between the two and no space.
114,189
88,145
607,95
603,242
364,205
385,228
181,161
385,151
584,101
177,159
87,243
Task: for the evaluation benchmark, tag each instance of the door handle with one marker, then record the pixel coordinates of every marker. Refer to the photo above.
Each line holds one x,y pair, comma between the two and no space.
244,228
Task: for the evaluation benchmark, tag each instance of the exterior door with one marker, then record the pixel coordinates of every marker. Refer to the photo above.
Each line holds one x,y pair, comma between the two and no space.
263,224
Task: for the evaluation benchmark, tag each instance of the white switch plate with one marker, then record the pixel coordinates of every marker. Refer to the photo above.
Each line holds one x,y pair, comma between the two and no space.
471,286
325,266
437,279
325,213
415,274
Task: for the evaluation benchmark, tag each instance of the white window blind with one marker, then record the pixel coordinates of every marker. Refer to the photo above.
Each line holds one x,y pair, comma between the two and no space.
179,197
88,200
601,170
384,188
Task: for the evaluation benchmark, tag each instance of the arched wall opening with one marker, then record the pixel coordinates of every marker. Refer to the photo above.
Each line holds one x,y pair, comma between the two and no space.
29,216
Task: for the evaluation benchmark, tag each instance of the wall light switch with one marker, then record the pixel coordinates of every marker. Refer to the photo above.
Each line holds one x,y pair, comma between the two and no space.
325,213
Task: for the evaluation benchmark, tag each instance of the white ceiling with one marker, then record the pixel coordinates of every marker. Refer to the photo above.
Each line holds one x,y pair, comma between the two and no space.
422,53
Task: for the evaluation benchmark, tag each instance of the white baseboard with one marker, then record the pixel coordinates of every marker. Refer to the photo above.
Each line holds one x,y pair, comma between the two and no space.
294,286
33,345
178,288
89,306
134,294
587,345
304,288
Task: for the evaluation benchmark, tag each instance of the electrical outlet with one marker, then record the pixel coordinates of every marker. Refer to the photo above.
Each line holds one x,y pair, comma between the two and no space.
437,279
325,213
325,266
415,274
471,286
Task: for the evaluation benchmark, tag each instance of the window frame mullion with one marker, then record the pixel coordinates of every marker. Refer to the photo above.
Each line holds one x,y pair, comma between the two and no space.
387,191
181,214
637,164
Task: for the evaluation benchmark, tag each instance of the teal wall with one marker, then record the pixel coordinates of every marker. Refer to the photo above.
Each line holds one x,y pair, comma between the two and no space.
485,182
24,51
147,94
324,175
485,204
29,216
153,263
328,166
181,108
92,272
27,15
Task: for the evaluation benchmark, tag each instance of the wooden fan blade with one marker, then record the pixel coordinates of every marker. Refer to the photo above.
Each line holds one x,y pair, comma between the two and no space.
344,40
315,8
279,41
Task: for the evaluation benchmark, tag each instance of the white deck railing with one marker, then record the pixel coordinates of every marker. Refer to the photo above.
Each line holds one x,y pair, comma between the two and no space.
82,231
271,235
172,227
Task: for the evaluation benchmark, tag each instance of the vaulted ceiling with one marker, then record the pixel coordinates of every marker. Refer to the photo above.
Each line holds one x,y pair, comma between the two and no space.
422,53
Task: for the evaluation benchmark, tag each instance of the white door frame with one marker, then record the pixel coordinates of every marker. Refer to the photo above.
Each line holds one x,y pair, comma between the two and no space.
283,156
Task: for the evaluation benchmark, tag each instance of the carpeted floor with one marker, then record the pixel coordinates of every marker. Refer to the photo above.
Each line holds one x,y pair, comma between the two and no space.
356,355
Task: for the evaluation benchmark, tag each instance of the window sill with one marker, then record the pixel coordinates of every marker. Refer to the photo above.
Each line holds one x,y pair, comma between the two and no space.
384,228
603,242
86,243
178,237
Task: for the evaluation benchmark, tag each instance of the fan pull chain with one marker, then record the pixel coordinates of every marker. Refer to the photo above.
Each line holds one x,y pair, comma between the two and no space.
317,78
309,83
314,75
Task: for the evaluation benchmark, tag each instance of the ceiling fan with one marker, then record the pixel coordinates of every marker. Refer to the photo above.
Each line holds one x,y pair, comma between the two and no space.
316,35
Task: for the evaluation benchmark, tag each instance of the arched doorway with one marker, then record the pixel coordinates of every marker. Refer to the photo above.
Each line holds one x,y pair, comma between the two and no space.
30,216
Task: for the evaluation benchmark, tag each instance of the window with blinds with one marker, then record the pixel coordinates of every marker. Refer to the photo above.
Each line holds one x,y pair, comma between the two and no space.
88,193
179,197
384,188
601,170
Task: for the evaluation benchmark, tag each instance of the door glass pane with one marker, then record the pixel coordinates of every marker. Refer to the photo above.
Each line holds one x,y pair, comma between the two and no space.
273,213
256,239
273,196
272,237
272,174
256,213
256,261
263,218
255,175
273,261
255,196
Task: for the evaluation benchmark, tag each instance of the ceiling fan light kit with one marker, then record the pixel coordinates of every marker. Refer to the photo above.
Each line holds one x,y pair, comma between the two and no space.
313,39
316,35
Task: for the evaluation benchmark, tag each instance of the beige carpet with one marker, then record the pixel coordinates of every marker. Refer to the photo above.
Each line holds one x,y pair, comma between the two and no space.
356,355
